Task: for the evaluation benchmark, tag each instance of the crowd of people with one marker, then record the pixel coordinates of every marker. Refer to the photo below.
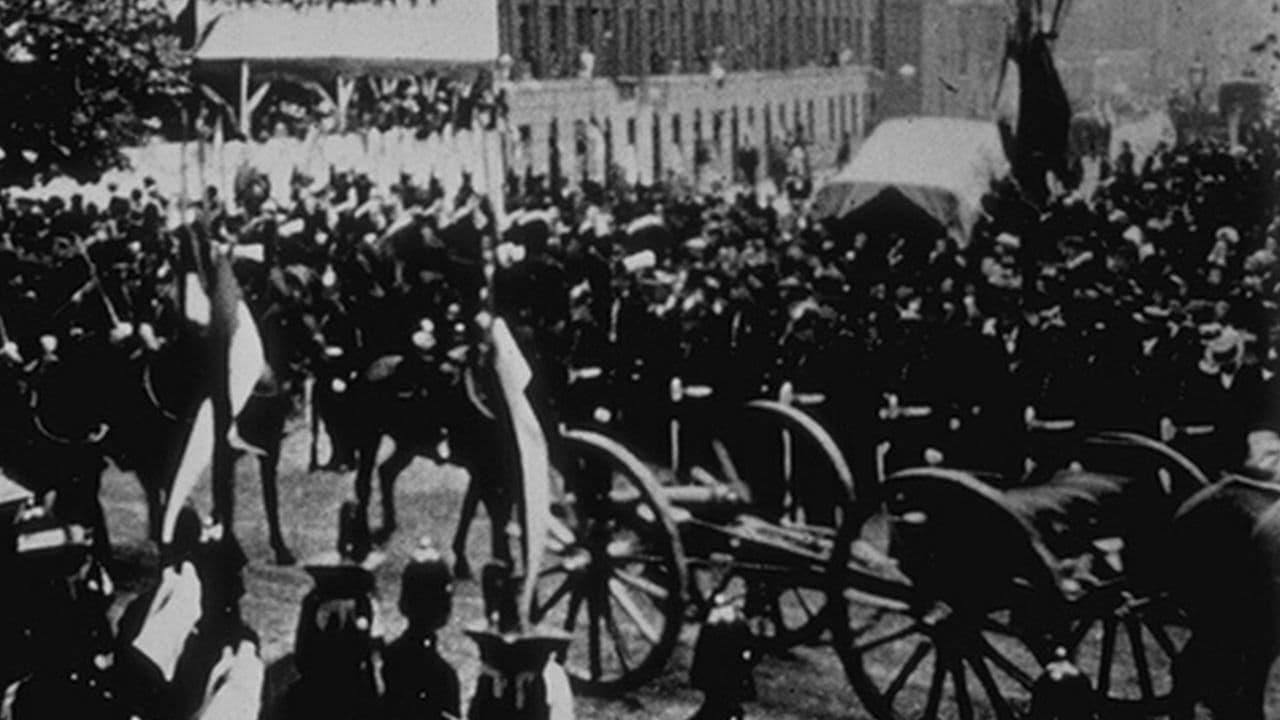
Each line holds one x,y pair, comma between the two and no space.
1149,303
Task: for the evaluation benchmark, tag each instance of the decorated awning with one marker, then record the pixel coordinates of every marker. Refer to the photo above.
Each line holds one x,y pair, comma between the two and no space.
351,37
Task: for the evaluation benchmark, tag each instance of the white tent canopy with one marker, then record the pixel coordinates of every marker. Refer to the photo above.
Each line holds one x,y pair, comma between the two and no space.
445,31
943,165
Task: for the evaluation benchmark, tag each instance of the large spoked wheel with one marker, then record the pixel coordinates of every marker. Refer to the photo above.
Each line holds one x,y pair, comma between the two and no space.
948,603
1127,646
800,490
1129,631
615,575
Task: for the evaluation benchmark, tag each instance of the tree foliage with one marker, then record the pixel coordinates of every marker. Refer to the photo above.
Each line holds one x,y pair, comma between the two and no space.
78,78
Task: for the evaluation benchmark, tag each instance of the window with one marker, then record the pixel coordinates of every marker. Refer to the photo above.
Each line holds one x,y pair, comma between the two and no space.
582,25
831,118
631,40
675,31
801,42
525,133
555,28
677,137
631,131
654,33
859,51
524,32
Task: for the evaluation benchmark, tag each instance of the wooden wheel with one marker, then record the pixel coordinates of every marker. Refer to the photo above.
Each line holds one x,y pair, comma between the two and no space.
948,604
1128,630
1127,646
615,574
800,490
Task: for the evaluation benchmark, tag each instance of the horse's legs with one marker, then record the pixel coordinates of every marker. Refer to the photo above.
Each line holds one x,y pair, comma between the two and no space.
156,497
267,470
313,407
499,506
367,458
470,503
387,474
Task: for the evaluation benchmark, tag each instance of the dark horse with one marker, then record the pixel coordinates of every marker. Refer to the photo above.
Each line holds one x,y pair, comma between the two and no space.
162,391
394,402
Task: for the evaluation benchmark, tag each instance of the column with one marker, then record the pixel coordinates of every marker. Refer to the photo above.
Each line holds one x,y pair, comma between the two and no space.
860,114
644,143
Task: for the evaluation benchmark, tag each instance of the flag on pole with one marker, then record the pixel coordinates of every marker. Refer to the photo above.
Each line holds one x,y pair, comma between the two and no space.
234,336
514,375
495,175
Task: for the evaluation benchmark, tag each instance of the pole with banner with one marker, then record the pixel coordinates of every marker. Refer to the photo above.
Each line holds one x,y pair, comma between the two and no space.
520,676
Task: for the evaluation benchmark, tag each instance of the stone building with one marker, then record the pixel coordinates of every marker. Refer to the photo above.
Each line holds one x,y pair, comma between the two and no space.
942,57
656,86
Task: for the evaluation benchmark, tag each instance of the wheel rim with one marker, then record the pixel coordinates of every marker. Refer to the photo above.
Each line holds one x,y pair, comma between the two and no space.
1127,634
923,633
615,576
933,664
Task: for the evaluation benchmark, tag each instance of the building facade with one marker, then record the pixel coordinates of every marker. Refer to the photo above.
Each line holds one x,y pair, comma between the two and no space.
1148,48
655,87
942,57
681,86
631,38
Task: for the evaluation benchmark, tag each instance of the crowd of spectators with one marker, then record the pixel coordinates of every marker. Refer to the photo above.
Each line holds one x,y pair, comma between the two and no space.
1148,303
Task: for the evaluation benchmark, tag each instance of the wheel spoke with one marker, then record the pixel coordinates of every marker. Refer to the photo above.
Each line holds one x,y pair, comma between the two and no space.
988,682
1161,634
540,609
886,639
935,686
636,559
917,656
963,704
1108,655
628,605
1139,650
1007,666
575,607
804,604
619,643
644,585
594,634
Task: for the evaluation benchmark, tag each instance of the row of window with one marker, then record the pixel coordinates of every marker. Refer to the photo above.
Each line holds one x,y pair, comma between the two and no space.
781,122
661,36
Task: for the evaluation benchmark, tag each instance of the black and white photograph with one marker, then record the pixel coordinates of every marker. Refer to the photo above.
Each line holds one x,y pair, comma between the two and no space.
640,359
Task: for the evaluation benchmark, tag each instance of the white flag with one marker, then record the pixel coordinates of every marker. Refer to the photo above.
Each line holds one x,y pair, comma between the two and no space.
514,375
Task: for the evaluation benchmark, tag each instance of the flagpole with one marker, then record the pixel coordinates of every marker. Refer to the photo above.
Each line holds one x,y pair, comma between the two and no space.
97,282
